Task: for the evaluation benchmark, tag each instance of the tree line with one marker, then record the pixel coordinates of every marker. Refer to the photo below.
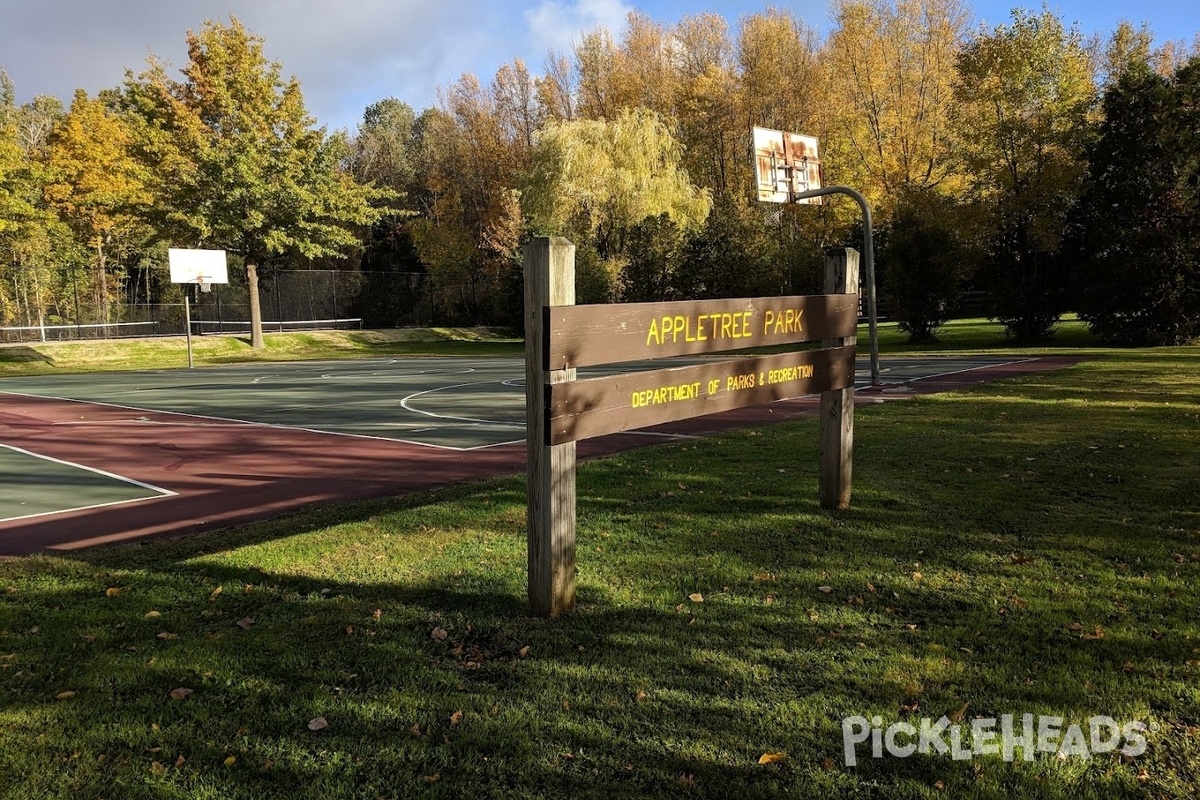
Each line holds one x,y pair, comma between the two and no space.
1053,172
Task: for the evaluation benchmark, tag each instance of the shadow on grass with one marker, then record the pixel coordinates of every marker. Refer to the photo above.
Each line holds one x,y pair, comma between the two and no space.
1008,552
23,355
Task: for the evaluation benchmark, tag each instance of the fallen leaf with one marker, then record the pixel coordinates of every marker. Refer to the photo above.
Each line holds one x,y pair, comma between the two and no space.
349,630
687,779
1097,633
179,762
113,591
245,623
378,615
157,768
696,597
640,696
152,615
940,786
415,730
1075,626
439,634
917,577
229,762
456,718
771,758
318,724
825,589
165,635
524,651
828,763
181,693
216,593
64,695
958,715
434,778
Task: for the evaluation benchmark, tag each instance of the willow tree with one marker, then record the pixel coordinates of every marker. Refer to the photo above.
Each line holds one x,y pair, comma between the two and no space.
238,163
599,178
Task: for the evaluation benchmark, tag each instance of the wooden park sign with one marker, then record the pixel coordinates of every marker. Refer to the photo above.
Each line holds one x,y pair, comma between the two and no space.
560,410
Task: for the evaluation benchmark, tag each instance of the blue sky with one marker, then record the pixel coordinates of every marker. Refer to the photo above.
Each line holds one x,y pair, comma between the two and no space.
348,53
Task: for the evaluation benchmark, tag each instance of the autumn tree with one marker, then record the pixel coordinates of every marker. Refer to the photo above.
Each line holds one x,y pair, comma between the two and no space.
891,72
1025,95
237,161
97,185
31,234
470,161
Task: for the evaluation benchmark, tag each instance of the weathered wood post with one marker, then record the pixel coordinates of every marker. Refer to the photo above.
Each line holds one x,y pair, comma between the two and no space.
549,281
837,406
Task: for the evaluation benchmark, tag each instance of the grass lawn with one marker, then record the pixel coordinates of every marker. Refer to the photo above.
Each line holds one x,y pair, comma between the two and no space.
171,352
1029,546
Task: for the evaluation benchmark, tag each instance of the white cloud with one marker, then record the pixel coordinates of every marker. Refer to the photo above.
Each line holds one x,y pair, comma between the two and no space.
555,25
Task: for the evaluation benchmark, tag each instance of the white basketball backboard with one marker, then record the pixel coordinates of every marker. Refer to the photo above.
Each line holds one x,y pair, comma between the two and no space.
785,164
197,266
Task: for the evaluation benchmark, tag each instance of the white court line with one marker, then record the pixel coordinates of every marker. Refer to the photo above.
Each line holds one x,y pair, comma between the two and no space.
239,421
404,404
970,369
161,491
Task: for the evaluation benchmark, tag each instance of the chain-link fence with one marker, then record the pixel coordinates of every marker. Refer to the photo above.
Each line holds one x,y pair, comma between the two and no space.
288,299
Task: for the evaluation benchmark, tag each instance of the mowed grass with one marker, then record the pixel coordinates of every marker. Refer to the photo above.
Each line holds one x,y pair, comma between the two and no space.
171,352
1028,546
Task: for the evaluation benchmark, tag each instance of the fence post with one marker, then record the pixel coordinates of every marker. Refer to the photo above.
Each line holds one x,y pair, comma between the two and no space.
837,406
549,264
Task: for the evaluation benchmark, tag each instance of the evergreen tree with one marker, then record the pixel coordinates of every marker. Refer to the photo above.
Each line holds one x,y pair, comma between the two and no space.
1138,225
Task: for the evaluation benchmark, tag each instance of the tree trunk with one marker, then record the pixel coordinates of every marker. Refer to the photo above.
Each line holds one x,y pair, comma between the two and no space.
256,330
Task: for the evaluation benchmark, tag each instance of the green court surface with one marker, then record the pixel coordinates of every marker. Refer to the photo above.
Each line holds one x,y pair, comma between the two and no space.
452,403
33,485
446,403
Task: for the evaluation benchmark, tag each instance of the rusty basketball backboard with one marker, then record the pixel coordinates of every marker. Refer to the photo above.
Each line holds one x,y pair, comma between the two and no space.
785,164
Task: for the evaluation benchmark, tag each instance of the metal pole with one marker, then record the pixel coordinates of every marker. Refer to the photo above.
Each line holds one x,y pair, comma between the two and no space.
868,264
187,320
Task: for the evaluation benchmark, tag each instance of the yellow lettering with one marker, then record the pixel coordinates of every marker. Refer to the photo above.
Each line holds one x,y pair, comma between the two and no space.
700,328
653,336
745,315
770,315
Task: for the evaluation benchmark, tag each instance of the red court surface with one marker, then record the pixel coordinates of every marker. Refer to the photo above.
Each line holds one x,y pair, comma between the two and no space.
224,473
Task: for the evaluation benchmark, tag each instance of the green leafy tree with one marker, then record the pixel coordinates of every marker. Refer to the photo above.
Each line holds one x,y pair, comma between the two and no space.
1138,224
238,163
655,249
926,260
1025,94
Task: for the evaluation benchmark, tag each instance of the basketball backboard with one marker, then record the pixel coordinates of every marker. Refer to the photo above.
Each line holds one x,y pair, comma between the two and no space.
204,267
785,164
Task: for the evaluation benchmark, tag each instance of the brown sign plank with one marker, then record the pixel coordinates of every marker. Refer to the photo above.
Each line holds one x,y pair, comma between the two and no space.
585,336
597,406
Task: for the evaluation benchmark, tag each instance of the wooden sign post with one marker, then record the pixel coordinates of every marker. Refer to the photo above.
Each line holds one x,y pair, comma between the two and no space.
837,405
550,480
560,410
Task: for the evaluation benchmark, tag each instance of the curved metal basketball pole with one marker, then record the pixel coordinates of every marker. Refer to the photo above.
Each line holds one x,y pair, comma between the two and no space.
868,262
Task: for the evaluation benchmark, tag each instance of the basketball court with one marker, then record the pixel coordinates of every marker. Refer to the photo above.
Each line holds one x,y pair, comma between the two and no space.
93,458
